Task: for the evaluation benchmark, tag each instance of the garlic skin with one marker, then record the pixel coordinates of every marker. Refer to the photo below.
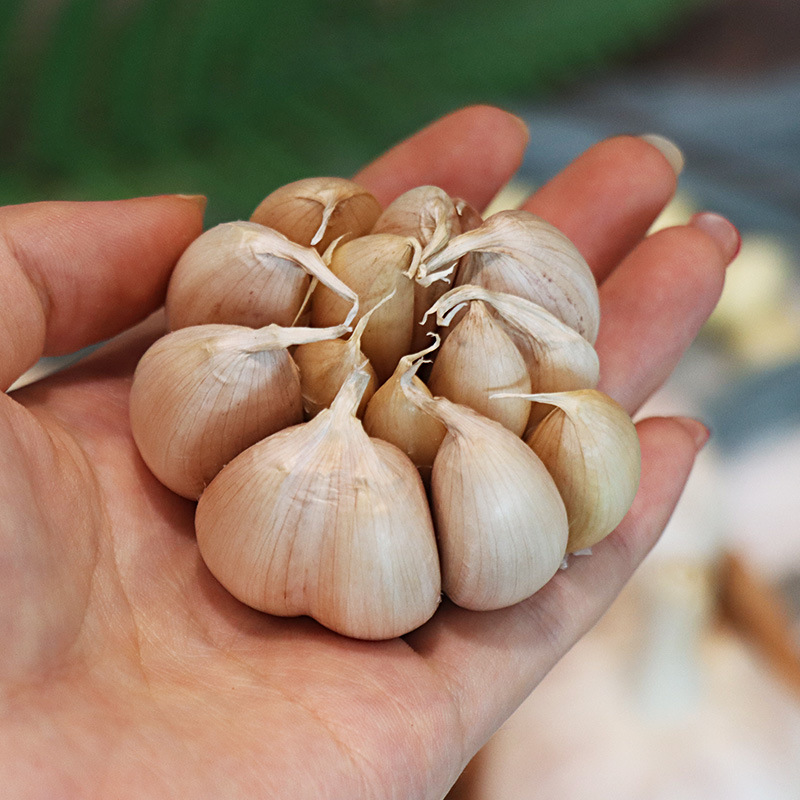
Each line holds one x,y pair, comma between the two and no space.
500,521
203,394
589,445
316,211
518,253
319,519
392,417
374,267
477,360
241,273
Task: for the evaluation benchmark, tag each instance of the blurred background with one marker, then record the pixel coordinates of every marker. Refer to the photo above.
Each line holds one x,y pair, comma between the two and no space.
690,686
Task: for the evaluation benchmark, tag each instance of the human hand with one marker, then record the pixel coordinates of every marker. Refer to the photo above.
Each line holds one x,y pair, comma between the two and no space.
127,671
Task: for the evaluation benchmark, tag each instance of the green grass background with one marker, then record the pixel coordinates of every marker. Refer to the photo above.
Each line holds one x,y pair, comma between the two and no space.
232,98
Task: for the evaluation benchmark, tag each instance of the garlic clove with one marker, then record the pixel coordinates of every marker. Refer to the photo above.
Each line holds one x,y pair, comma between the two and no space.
374,266
558,358
477,360
500,521
520,254
201,395
429,215
469,216
315,211
392,417
319,519
325,365
589,445
241,273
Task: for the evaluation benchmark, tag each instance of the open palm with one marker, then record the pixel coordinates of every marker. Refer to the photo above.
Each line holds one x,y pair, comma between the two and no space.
127,671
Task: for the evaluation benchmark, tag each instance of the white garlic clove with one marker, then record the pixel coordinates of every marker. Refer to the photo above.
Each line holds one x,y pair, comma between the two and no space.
319,519
477,360
203,394
500,521
315,211
520,254
392,417
558,358
374,266
241,273
590,447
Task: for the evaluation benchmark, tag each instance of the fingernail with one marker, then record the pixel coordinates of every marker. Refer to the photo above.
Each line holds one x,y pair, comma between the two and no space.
200,200
699,432
668,149
721,230
523,126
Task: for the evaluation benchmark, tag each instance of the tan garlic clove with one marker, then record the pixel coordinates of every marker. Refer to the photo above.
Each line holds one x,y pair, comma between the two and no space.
558,358
373,267
520,254
325,365
319,519
590,447
316,211
241,273
470,217
477,360
392,417
429,215
203,394
500,521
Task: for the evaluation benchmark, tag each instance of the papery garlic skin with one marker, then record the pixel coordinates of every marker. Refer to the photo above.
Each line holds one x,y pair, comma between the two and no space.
589,445
203,394
319,519
520,254
477,360
241,273
316,211
500,521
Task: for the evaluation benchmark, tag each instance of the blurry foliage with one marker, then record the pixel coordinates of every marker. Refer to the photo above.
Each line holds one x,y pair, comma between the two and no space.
234,97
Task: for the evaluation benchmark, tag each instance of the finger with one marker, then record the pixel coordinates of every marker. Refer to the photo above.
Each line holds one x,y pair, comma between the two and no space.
653,305
490,661
77,273
471,153
607,198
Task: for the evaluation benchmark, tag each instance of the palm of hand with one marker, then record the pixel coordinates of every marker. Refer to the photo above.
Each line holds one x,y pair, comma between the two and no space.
159,675
138,675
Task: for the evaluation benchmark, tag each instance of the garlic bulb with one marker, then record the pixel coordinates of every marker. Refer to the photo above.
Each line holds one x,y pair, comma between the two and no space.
203,394
477,360
590,447
325,365
392,417
315,211
374,266
520,254
241,273
319,519
500,520
558,358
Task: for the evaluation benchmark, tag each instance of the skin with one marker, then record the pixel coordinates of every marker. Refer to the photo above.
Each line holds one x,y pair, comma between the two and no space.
127,671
